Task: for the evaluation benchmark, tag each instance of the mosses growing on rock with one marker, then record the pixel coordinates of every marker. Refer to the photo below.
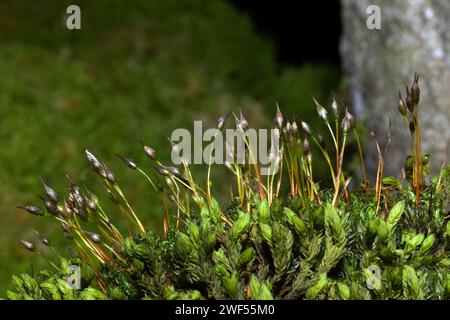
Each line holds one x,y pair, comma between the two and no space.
280,237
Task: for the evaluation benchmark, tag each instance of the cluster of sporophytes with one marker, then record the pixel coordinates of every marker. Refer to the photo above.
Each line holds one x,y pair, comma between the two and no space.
280,237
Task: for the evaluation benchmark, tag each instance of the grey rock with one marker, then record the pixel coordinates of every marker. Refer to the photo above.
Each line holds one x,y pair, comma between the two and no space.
414,37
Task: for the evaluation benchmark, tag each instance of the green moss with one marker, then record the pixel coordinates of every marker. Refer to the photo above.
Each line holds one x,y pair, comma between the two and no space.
136,70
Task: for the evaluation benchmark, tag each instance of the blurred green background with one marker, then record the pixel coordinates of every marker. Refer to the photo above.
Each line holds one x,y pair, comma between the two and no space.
136,70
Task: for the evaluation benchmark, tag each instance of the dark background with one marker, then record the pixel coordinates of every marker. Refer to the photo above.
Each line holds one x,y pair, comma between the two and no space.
306,33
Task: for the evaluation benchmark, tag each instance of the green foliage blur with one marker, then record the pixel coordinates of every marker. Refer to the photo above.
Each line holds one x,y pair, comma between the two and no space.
136,70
